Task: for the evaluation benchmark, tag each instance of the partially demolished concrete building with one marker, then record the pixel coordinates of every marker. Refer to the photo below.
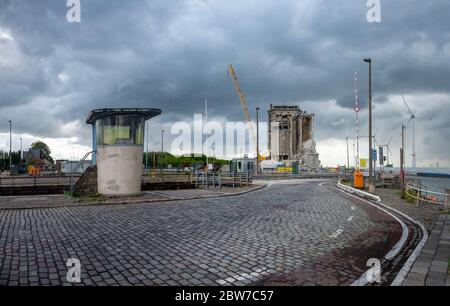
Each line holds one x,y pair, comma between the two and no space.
291,136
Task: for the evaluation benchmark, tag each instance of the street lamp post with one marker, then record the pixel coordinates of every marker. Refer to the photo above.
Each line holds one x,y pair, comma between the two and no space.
162,150
21,152
371,176
348,157
257,140
146,153
10,145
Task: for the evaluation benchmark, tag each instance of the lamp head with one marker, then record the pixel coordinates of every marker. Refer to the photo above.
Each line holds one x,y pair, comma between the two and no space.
368,60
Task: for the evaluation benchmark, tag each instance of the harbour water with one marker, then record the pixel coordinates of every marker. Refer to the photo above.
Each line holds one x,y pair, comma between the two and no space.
434,183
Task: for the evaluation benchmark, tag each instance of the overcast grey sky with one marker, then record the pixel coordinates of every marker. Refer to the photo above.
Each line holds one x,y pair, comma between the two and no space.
173,54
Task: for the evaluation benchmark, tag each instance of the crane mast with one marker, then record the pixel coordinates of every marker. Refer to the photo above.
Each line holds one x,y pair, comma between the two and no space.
243,103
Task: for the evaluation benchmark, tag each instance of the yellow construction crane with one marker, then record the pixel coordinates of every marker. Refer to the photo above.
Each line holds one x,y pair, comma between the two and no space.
243,103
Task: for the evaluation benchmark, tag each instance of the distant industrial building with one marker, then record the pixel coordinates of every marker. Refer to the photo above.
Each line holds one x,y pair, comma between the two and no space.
291,136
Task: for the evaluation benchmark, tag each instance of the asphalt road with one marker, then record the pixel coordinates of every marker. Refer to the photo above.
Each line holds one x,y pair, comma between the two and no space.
290,233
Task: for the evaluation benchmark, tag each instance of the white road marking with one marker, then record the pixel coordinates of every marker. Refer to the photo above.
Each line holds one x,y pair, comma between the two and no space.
337,233
350,219
353,207
362,281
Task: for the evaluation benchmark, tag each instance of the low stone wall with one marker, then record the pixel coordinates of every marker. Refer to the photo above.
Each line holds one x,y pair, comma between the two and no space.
32,190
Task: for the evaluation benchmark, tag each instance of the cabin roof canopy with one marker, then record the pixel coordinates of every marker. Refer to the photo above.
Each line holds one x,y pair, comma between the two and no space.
147,113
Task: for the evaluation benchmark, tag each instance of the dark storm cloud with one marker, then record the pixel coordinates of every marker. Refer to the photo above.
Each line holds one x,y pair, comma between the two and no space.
173,55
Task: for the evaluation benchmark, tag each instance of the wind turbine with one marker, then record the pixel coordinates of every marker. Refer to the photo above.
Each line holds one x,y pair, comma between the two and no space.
388,150
413,119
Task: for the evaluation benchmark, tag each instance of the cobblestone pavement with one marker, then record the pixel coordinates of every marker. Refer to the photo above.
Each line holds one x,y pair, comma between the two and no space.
239,240
53,201
432,267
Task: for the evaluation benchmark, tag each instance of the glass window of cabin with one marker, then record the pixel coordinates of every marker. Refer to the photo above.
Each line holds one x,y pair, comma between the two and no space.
120,130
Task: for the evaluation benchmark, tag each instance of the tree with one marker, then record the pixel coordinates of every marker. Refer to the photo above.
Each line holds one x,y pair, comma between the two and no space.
46,152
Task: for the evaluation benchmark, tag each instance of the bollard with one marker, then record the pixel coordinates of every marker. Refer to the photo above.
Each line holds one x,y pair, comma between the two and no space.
447,196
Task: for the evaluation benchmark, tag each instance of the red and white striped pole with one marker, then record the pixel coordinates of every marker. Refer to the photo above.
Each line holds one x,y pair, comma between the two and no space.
357,121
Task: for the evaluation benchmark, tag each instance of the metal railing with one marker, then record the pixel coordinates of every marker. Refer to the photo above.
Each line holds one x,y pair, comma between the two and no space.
79,164
218,179
424,194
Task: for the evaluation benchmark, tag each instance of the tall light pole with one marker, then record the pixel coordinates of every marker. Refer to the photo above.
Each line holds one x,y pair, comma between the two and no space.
146,154
162,149
348,156
402,162
21,151
257,140
10,145
369,60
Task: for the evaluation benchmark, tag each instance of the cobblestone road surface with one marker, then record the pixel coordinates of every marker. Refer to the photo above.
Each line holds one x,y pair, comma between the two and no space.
254,238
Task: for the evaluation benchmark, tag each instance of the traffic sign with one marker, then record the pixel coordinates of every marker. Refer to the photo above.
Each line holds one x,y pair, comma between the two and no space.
374,154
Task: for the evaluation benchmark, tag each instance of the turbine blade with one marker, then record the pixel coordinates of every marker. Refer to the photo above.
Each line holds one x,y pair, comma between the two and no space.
390,141
376,131
409,110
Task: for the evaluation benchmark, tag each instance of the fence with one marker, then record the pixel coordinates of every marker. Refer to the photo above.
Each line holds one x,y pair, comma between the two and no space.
219,179
424,194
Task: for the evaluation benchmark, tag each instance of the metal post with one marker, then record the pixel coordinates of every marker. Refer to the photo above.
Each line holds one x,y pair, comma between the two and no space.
162,152
146,154
10,146
348,158
257,141
402,163
369,60
447,196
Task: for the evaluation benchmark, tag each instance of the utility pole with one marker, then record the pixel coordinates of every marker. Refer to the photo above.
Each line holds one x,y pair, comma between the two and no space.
257,140
369,60
146,154
348,156
162,150
402,162
21,153
10,146
206,122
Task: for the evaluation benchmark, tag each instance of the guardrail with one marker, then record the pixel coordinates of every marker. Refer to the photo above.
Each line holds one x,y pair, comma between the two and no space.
361,193
424,194
302,175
